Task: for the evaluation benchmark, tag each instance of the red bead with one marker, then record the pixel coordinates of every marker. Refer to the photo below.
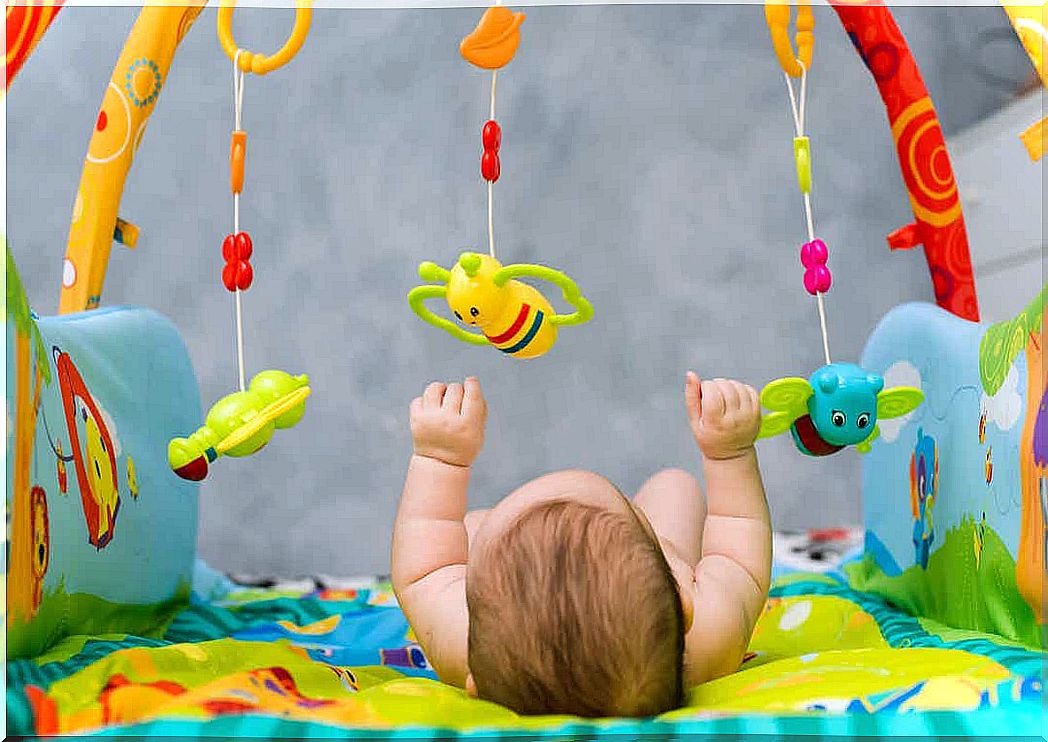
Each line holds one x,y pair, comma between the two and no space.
227,248
236,250
489,166
243,245
491,135
244,275
229,276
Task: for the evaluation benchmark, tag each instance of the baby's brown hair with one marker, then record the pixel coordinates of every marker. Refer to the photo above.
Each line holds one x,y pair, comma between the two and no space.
574,610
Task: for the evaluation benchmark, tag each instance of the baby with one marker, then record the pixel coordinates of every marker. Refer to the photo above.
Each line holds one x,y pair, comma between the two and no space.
568,597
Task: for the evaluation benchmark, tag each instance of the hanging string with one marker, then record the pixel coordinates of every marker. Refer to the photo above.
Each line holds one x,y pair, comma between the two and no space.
238,104
491,185
798,110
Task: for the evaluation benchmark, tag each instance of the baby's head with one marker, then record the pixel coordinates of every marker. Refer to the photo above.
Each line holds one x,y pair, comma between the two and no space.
573,609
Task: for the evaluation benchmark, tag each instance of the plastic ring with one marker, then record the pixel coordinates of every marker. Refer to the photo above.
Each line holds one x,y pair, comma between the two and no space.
259,63
777,15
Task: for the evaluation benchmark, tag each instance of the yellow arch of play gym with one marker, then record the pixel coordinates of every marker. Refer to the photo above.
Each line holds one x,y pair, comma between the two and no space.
129,100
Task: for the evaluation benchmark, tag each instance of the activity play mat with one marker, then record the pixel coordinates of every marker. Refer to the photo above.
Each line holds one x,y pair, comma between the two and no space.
929,621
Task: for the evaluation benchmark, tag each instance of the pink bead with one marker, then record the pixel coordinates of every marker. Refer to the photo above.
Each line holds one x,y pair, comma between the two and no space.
814,253
817,280
819,252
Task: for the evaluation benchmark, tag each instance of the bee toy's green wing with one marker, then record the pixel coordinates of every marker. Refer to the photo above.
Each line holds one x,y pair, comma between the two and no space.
775,423
787,399
898,401
894,402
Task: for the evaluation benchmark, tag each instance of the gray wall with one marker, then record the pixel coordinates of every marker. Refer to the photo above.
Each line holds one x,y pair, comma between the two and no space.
646,152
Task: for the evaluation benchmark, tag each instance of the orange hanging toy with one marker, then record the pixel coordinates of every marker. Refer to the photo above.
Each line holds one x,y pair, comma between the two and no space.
495,39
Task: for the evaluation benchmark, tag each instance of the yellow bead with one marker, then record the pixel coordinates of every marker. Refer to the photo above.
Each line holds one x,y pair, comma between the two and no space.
802,157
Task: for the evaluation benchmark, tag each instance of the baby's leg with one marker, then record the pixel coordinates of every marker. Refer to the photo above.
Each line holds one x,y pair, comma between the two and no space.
472,522
674,504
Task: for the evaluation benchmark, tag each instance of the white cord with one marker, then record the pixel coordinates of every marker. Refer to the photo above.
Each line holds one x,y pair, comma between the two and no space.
491,220
798,123
238,105
822,323
240,343
494,78
238,89
808,217
793,104
804,95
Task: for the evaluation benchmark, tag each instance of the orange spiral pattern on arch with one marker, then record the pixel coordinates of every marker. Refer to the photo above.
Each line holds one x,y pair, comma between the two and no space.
926,164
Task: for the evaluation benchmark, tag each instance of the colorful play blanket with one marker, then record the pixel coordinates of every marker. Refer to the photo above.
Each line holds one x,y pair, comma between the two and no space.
327,658
927,621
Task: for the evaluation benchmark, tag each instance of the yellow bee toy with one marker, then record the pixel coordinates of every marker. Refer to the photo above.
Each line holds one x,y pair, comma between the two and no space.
511,315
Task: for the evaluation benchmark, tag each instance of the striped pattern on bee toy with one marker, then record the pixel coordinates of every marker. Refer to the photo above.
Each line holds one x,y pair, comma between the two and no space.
520,335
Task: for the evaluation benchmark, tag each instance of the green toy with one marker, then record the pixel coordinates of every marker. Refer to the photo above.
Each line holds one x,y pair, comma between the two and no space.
241,423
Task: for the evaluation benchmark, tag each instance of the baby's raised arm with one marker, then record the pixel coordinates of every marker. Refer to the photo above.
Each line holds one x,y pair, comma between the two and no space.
430,545
734,573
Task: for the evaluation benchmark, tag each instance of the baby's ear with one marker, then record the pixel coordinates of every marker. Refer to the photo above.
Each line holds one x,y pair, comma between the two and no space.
471,687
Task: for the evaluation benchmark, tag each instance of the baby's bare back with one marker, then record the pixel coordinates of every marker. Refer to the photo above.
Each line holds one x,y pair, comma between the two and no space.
498,607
